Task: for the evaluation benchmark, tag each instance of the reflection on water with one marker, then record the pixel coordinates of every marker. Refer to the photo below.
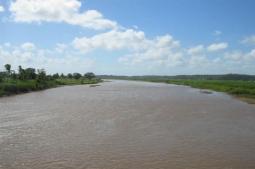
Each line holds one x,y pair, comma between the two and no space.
126,125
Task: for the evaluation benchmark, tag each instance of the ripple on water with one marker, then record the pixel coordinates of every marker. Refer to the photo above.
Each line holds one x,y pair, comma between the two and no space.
125,124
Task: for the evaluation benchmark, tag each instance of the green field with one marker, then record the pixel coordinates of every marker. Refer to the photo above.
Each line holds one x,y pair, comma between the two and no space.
241,86
244,89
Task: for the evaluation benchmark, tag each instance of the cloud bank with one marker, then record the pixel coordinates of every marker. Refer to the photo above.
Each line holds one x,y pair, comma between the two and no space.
54,60
67,11
2,9
136,49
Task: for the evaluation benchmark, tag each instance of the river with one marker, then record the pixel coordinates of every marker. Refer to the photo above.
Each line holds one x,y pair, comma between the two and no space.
126,125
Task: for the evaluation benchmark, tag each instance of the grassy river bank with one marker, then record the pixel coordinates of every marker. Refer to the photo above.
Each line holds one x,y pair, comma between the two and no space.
240,86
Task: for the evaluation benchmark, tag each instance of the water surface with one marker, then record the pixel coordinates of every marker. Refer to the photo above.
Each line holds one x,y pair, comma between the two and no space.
126,125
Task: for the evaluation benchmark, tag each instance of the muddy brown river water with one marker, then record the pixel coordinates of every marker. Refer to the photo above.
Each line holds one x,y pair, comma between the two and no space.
126,125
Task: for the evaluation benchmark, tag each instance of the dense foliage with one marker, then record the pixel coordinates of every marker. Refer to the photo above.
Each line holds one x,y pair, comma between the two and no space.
30,79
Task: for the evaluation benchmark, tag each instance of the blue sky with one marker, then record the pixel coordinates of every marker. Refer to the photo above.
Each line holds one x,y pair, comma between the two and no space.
134,37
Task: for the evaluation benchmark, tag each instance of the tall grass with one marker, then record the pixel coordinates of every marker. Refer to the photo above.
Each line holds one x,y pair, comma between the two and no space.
234,87
68,81
9,86
21,86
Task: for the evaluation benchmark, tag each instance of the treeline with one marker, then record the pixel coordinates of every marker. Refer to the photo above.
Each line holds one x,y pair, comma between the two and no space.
39,74
31,79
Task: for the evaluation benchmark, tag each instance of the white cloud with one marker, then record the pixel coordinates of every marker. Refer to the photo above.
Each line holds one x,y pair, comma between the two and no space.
61,47
161,57
123,39
249,40
113,40
196,50
239,56
7,44
217,47
2,9
28,46
198,61
217,33
92,19
67,11
234,55
251,54
44,58
139,50
160,50
159,53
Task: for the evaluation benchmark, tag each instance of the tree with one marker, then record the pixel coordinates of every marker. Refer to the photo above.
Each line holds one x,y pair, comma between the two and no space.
41,75
1,76
69,75
90,75
20,69
77,75
8,68
21,73
14,75
62,76
55,76
30,73
41,79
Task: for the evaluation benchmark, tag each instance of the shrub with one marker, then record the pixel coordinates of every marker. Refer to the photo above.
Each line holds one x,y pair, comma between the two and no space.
9,88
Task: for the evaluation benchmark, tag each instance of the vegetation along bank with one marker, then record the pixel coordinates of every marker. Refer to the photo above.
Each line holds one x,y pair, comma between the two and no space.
241,86
30,79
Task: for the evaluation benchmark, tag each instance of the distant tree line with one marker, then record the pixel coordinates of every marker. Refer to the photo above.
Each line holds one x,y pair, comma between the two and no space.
38,74
31,79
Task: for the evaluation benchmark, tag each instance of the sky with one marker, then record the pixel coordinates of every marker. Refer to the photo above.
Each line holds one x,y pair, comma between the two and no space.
129,37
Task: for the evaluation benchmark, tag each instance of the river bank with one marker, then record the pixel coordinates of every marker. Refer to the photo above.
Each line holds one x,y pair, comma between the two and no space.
13,87
243,90
239,86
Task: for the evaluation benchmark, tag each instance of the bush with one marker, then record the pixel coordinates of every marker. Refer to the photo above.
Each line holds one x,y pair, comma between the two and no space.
26,86
8,88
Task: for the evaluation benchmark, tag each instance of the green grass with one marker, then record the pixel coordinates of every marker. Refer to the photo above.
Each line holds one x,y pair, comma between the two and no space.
242,86
10,87
238,88
66,81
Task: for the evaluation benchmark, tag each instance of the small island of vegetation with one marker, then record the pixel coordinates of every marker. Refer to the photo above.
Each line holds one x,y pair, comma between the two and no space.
30,79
